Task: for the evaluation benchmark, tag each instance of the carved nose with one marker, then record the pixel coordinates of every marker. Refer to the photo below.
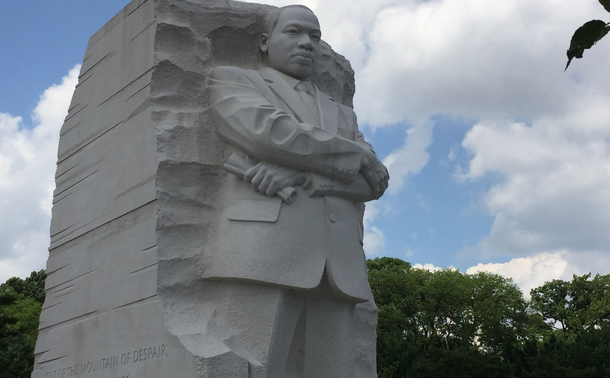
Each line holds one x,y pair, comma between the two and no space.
305,43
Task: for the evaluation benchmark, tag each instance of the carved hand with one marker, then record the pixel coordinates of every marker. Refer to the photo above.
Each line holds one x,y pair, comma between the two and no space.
268,178
374,172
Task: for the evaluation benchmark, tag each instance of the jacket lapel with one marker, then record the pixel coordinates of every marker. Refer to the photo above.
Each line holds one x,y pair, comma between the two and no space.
327,110
286,94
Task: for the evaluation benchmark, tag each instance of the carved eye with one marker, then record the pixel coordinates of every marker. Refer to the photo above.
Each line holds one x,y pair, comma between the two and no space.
292,31
316,37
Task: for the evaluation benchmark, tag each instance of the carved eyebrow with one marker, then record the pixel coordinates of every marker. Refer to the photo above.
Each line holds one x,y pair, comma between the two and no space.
300,26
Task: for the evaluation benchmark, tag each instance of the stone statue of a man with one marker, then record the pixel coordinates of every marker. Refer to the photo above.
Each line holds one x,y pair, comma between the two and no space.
288,277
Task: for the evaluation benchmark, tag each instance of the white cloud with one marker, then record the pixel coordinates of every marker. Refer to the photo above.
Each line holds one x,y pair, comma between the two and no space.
428,267
27,167
410,158
373,238
374,242
554,192
533,271
465,58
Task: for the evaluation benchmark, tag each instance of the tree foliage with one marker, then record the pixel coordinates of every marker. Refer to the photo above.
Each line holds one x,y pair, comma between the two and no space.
587,35
434,324
576,306
449,324
20,305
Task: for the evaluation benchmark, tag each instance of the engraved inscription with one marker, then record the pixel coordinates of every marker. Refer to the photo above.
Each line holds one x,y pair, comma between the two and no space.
148,353
136,355
100,364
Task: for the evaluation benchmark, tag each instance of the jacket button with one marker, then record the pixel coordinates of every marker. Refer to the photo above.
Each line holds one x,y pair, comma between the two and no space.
332,217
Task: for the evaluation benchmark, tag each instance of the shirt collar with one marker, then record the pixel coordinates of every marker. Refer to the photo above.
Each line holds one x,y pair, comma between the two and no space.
293,82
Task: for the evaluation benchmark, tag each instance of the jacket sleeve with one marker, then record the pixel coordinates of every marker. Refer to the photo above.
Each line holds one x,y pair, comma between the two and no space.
250,122
319,185
358,190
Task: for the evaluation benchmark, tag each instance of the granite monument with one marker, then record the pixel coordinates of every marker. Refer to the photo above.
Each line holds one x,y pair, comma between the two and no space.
207,220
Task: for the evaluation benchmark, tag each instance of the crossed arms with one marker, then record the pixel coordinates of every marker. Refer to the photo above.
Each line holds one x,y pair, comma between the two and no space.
290,153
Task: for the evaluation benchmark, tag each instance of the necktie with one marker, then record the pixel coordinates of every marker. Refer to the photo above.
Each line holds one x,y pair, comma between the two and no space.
309,102
302,87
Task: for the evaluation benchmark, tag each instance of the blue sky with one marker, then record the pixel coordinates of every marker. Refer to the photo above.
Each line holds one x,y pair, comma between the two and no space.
434,216
499,160
41,41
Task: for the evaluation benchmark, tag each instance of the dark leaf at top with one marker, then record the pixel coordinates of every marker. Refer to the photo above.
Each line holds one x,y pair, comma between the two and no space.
585,37
606,4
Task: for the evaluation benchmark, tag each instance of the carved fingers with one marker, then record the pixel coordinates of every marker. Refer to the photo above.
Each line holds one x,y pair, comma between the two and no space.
268,178
375,173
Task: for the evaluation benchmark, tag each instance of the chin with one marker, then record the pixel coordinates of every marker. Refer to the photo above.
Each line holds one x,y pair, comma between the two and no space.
300,73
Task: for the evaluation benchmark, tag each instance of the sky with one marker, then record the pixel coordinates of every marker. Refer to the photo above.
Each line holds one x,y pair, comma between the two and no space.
499,160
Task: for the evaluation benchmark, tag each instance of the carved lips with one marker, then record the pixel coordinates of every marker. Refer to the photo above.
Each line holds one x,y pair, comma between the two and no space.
304,57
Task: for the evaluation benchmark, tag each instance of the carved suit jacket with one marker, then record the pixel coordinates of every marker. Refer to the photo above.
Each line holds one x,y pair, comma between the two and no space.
262,239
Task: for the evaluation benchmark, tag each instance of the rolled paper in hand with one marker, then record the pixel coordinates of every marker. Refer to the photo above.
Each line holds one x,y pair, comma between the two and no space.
238,166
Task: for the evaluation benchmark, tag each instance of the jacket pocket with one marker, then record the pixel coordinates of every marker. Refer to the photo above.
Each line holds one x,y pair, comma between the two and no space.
254,210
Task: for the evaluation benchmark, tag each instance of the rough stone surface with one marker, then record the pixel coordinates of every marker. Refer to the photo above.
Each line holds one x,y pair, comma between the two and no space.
101,316
139,168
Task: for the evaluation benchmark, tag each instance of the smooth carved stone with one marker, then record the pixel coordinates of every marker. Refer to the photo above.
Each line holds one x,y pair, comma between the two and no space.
139,204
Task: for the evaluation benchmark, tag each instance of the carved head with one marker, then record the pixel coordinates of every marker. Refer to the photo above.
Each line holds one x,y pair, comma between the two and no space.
291,43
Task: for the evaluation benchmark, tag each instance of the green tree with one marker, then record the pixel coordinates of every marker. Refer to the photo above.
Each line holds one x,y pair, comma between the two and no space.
20,307
584,357
450,324
576,339
500,313
446,323
393,288
576,306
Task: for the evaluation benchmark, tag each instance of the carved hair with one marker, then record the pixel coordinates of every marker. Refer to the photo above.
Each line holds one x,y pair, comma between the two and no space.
271,19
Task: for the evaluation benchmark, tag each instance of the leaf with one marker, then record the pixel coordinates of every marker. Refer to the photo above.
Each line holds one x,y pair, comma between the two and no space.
606,4
585,37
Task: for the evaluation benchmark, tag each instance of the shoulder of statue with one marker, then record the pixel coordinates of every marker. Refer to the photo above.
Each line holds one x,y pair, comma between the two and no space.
231,72
270,74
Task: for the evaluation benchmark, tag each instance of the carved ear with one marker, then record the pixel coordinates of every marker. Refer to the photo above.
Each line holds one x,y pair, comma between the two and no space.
262,43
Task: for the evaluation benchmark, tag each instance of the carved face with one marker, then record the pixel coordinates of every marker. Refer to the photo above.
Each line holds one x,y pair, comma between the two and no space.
294,44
